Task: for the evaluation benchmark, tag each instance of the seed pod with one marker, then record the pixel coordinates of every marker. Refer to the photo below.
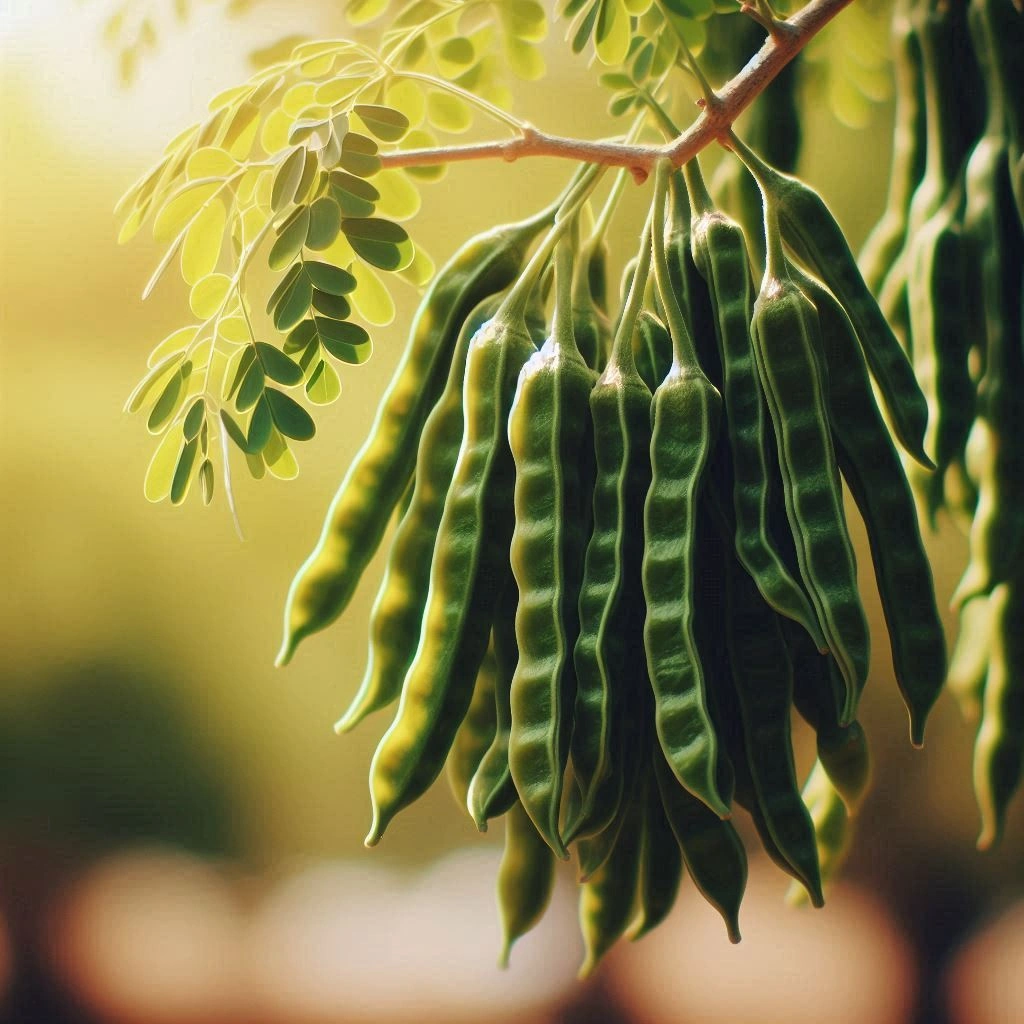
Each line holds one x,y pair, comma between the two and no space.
470,560
887,237
526,878
661,864
831,828
397,613
491,790
611,590
873,472
381,470
787,346
812,232
999,745
719,253
476,733
547,431
685,415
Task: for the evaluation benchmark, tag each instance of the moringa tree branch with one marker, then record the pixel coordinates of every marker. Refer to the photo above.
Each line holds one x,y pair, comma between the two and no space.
714,121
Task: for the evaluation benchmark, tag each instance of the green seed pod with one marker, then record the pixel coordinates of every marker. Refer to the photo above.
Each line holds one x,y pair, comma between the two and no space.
397,612
491,790
719,252
812,232
661,864
883,245
611,591
831,828
711,849
685,415
763,680
607,897
787,347
381,470
547,431
470,560
476,733
875,476
526,878
999,745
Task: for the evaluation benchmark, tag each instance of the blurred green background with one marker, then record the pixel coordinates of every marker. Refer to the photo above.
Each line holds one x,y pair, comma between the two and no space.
139,702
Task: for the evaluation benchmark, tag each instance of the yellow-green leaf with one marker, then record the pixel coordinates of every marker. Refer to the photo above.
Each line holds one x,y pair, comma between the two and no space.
612,32
206,479
157,376
201,249
388,124
181,208
279,458
371,298
287,178
290,239
209,294
160,472
175,342
398,199
359,155
447,112
407,96
210,162
324,384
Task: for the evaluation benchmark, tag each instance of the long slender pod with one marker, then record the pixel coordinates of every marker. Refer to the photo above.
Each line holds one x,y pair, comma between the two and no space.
548,432
999,745
397,612
812,231
381,470
720,254
491,791
526,878
787,348
874,474
620,404
685,415
883,245
470,558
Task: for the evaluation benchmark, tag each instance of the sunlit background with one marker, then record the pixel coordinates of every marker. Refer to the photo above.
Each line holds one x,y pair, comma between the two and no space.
180,829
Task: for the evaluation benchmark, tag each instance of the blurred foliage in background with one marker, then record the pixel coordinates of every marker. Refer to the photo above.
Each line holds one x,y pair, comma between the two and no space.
138,701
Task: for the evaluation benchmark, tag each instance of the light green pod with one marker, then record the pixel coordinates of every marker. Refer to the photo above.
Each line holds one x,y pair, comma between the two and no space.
397,613
380,472
968,664
491,790
999,745
526,878
476,733
831,829
470,562
608,896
